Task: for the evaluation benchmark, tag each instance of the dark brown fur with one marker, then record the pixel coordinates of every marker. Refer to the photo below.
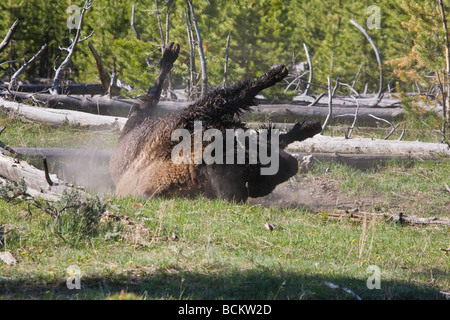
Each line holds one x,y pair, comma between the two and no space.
141,164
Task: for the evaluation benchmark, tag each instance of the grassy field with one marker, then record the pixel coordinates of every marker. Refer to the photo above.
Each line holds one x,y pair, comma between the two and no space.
203,249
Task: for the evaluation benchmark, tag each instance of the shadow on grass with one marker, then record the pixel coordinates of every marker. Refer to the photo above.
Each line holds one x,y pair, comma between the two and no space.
240,285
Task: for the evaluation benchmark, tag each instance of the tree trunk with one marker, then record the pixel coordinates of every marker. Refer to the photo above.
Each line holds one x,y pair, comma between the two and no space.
13,170
275,112
60,117
72,89
95,105
326,144
447,64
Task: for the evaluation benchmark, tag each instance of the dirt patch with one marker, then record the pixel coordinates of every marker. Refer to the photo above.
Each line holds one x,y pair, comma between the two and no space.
319,193
315,193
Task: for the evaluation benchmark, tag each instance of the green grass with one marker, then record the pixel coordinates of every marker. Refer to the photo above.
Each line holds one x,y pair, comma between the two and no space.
28,134
413,132
414,187
203,249
222,251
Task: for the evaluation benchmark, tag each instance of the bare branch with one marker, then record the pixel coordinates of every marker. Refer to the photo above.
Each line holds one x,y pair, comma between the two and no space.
88,4
204,86
391,132
169,4
132,23
22,68
357,74
447,63
350,130
103,74
317,99
163,42
225,68
310,69
330,105
381,119
402,134
10,61
350,88
87,37
9,35
380,65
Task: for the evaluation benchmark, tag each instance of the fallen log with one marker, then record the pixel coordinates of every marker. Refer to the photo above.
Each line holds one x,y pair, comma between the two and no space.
81,167
95,105
59,117
343,115
276,112
326,144
387,101
360,161
14,170
89,167
72,89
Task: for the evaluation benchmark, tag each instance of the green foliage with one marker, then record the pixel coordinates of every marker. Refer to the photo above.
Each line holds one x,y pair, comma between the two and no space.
11,192
131,56
262,34
79,217
75,216
419,116
426,59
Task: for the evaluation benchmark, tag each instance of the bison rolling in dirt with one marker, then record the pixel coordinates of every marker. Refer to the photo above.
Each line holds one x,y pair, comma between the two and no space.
143,162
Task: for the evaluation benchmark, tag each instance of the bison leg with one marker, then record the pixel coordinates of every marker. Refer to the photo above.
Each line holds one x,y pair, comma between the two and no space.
300,132
262,185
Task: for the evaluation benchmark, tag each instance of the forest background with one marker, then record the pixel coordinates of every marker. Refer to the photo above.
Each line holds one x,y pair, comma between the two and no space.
408,35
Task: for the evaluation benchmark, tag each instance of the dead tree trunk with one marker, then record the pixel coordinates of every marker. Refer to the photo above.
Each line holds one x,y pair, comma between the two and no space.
70,50
56,117
290,113
105,79
310,78
96,105
324,144
70,89
24,66
9,35
447,65
200,50
35,179
192,83
377,54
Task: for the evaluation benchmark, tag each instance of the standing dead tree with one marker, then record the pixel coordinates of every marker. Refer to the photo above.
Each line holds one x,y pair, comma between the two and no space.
132,23
330,101
23,67
192,70
225,67
379,95
9,35
109,83
165,40
199,42
446,105
308,85
70,50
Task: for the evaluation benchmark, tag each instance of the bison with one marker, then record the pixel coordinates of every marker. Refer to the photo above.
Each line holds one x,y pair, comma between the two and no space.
142,164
